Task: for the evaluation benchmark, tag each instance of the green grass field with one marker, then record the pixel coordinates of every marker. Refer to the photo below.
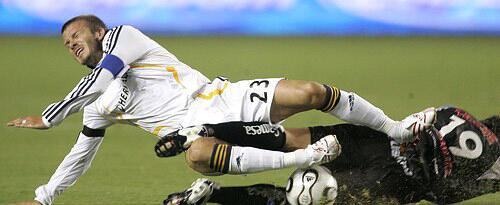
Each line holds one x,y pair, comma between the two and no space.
400,75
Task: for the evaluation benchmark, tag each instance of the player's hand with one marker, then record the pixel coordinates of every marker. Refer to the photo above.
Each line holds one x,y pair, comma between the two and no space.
34,122
27,203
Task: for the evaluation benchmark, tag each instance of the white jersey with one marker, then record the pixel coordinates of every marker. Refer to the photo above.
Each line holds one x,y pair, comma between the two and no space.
155,98
147,67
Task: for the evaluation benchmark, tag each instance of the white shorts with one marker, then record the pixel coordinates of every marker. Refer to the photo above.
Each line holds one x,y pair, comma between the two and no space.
223,101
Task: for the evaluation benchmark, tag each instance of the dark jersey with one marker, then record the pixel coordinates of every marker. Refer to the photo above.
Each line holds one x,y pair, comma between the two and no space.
441,166
455,153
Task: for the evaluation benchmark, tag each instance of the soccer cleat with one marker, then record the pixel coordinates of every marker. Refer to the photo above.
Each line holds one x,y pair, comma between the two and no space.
197,194
413,125
178,198
179,141
192,133
324,150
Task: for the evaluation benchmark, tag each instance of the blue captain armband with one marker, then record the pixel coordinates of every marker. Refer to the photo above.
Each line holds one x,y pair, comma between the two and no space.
113,64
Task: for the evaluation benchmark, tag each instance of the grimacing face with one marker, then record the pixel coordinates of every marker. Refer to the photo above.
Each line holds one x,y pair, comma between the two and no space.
84,46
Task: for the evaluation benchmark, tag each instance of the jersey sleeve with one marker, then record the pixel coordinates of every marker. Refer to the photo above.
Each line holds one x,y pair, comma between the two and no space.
85,92
75,164
123,45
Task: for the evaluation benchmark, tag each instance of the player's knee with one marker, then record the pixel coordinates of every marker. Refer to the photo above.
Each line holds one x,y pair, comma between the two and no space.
197,159
313,93
199,153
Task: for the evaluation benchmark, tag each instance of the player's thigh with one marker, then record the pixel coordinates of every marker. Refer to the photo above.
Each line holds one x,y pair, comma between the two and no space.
257,100
294,96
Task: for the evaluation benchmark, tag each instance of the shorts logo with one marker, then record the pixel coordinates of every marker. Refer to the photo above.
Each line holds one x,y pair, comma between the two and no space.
262,129
238,161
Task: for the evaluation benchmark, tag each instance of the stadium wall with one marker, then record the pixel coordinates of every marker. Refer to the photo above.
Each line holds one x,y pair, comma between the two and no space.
262,17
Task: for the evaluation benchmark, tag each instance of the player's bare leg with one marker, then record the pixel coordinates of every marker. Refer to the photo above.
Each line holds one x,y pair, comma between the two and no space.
294,96
199,153
296,138
209,156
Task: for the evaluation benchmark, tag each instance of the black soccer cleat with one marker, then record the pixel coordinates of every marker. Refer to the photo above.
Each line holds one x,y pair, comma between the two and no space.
178,198
170,145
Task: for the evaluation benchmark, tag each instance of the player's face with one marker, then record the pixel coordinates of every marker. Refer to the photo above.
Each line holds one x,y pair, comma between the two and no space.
82,43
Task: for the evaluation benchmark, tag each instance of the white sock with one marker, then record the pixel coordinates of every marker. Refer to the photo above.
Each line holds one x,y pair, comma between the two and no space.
250,160
354,109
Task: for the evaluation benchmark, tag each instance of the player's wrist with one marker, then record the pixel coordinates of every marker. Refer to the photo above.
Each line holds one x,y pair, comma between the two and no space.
42,196
46,122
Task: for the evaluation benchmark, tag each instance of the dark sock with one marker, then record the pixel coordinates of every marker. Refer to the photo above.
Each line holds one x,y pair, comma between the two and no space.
257,194
249,134
220,159
331,99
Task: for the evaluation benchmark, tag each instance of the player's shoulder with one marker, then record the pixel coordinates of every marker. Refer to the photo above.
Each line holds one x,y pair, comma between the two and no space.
117,30
112,35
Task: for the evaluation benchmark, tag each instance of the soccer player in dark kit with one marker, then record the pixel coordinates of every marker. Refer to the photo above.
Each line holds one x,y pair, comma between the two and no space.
454,160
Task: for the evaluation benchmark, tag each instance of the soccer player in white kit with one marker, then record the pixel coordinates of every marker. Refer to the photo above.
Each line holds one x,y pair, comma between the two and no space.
134,80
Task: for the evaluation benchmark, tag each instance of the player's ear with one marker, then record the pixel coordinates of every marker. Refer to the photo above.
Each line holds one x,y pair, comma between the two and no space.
99,34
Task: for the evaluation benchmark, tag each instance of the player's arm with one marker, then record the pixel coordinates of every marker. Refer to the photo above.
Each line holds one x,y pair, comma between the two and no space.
75,164
34,122
85,92
122,46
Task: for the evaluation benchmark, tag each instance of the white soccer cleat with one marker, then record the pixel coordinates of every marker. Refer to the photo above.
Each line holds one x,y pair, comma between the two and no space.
324,150
413,125
199,193
192,133
201,189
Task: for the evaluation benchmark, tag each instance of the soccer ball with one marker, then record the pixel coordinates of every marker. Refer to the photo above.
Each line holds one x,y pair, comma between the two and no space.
312,186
